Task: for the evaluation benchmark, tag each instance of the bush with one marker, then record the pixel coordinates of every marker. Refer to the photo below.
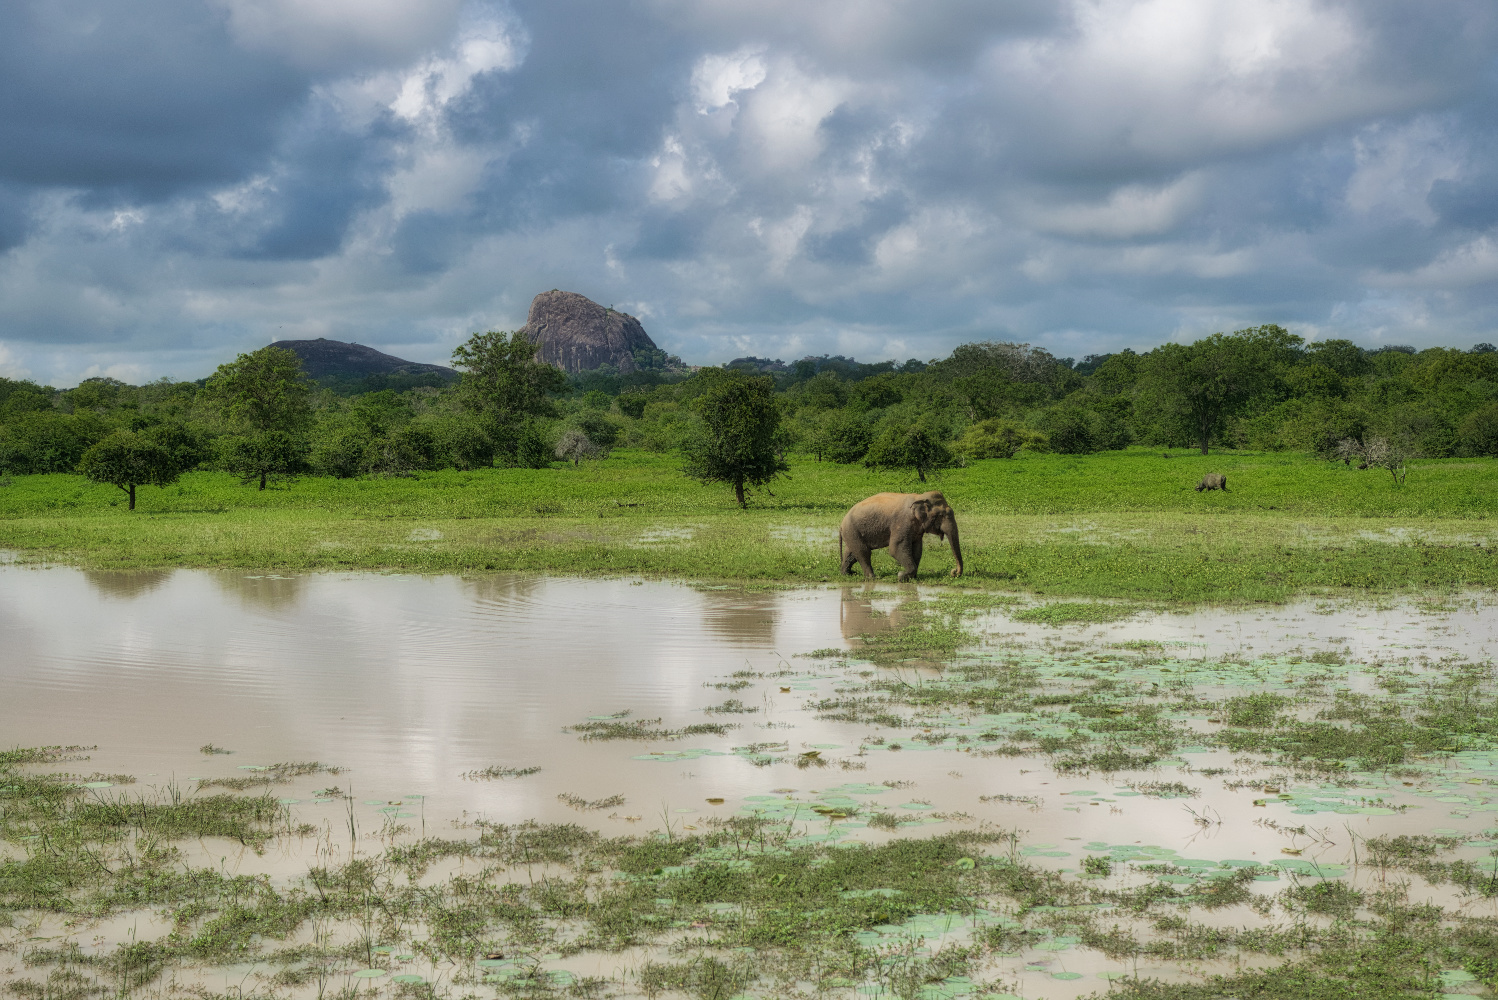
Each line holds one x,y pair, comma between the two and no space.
632,404
574,446
401,452
600,429
1478,433
48,442
845,437
1070,432
997,438
465,443
339,451
1076,430
532,450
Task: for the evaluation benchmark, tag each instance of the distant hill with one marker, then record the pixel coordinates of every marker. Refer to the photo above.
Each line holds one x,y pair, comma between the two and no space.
354,366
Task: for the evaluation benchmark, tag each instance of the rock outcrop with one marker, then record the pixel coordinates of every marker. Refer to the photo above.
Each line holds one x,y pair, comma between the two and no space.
334,359
577,334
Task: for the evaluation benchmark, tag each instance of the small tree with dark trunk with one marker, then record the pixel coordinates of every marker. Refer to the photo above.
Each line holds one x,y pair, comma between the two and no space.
574,446
270,454
128,459
736,442
910,447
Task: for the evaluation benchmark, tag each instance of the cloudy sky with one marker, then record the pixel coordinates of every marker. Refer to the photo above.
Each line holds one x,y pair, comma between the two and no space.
181,180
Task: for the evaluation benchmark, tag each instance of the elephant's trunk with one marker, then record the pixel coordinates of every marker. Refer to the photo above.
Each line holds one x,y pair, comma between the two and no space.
949,529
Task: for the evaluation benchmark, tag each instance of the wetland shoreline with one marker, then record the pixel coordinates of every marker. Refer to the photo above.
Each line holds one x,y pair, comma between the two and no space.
1124,525
1221,557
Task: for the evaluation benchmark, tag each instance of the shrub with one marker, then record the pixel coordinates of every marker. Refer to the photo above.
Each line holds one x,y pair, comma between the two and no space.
574,446
997,439
339,451
1478,433
845,437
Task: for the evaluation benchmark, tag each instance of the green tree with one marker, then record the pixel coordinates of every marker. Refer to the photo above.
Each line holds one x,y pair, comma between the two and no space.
49,441
503,381
263,455
736,442
910,446
1203,384
264,390
128,459
822,392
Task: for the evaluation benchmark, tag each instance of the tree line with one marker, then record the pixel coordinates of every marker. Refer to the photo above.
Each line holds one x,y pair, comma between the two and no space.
1260,388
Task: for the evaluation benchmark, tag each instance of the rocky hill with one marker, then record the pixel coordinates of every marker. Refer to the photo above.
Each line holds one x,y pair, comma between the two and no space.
336,361
577,334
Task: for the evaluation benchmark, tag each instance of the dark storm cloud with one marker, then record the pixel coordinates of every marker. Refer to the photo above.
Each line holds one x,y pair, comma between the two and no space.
144,96
180,179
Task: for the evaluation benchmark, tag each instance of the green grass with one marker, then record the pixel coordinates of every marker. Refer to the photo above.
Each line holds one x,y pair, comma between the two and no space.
1124,525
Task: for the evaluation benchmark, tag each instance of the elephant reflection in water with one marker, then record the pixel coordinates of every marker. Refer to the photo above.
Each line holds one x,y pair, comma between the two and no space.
858,616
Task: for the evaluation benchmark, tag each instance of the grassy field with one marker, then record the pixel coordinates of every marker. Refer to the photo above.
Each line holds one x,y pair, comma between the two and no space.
1124,524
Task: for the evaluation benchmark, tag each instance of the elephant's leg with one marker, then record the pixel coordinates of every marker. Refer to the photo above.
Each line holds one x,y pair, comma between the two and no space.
850,554
857,550
907,552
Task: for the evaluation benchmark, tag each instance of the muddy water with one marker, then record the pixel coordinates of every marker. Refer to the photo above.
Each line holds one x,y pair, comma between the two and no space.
407,684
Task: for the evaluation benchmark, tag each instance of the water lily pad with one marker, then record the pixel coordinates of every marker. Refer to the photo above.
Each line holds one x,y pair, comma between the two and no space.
369,973
407,977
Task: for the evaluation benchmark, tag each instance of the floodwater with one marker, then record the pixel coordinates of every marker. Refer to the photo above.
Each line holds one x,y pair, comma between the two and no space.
409,684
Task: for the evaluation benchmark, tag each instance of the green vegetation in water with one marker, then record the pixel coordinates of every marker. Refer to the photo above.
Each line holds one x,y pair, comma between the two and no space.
750,907
269,774
1072,612
496,772
619,727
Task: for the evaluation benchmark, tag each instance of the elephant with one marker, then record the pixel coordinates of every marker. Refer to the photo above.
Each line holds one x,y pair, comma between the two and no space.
1213,481
899,521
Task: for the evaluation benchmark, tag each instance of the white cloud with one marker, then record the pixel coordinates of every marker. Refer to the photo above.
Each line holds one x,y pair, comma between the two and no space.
10,367
1129,211
485,44
718,79
1398,164
1165,80
779,119
1473,263
332,34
